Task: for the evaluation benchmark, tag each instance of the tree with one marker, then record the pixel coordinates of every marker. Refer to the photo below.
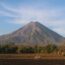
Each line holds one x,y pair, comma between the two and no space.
27,50
8,49
51,48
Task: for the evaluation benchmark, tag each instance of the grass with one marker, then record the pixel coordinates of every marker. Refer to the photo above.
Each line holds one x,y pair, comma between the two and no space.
24,59
30,56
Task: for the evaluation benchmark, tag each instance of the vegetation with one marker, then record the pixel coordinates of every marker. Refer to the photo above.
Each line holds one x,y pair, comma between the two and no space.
50,48
27,50
8,49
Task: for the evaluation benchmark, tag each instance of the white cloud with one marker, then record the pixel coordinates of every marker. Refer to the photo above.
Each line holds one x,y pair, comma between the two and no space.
46,16
60,31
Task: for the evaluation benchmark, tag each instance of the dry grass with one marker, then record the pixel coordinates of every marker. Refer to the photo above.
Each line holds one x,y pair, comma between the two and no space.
30,56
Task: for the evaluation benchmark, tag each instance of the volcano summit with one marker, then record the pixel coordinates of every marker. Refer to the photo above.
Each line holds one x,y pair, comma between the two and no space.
33,33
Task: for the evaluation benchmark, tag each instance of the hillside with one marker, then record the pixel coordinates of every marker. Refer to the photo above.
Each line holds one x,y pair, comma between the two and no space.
31,34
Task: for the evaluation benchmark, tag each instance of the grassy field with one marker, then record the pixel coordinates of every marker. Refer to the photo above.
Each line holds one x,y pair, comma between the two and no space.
30,56
31,59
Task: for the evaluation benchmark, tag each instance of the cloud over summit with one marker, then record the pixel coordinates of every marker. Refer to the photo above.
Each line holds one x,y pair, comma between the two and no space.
50,13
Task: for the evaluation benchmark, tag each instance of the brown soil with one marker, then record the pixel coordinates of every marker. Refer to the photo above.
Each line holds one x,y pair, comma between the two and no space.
31,62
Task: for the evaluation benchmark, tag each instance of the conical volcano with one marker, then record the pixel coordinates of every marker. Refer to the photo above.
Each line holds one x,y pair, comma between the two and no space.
33,33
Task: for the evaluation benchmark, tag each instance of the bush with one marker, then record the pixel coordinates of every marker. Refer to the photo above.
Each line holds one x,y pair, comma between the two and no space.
27,50
51,48
8,49
36,49
64,55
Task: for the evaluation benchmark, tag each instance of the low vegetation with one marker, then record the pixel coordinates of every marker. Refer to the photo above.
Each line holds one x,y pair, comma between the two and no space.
50,48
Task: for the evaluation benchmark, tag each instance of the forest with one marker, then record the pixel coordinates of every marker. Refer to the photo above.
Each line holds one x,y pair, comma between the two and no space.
15,49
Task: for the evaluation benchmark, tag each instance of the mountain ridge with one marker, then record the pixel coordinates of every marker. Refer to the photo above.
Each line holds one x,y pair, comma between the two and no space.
31,34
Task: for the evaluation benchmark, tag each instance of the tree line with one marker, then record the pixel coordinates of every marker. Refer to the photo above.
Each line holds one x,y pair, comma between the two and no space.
50,48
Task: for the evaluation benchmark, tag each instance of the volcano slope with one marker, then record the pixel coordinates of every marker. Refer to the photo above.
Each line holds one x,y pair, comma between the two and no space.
34,33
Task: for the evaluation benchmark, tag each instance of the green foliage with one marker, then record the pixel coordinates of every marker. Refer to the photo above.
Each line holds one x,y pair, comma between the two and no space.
27,49
64,55
51,48
8,49
36,49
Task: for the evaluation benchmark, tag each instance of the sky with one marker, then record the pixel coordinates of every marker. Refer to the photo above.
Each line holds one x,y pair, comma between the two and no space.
16,13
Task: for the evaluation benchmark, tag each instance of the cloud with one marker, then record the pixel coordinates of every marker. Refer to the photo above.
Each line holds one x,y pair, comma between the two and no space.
7,11
53,18
31,14
60,30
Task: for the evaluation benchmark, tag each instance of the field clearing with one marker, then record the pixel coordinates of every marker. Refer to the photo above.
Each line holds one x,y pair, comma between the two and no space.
30,59
30,56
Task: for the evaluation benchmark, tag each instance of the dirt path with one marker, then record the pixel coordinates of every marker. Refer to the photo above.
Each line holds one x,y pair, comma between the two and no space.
31,62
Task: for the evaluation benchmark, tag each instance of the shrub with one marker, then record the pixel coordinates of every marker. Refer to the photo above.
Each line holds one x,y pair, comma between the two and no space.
51,48
27,50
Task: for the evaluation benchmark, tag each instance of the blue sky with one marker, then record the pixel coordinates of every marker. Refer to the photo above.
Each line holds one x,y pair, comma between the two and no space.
16,13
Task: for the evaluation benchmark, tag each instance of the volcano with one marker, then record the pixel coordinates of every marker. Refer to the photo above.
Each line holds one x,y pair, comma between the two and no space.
33,33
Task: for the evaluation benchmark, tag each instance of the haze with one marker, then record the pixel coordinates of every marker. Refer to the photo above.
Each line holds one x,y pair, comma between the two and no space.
16,13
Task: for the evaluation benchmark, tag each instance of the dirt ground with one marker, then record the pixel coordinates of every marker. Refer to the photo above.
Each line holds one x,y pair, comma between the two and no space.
31,62
31,59
30,56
